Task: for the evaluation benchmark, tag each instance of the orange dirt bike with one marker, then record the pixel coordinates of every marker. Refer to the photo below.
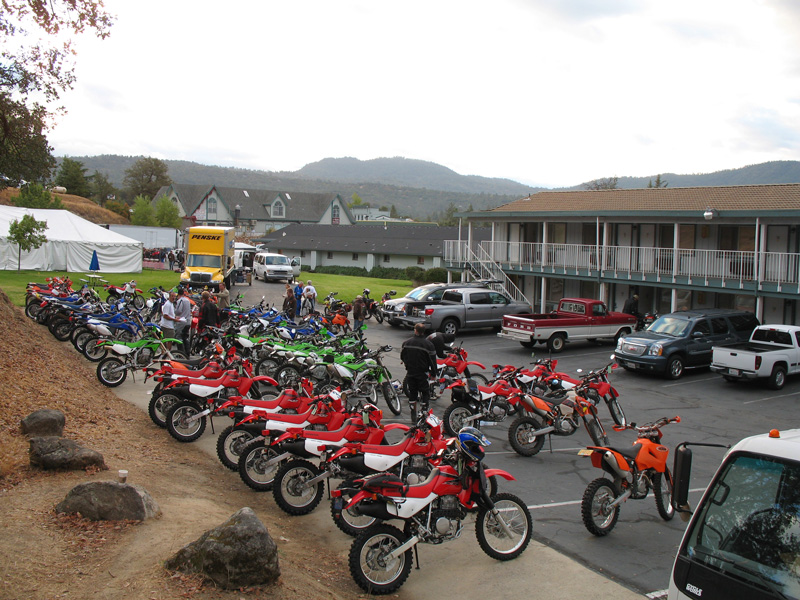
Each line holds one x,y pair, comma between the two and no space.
635,471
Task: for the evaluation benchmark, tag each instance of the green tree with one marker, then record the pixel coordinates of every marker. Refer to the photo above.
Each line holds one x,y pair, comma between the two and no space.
142,212
167,214
393,212
118,207
102,189
72,176
355,201
26,234
448,219
146,177
33,195
658,184
610,183
36,66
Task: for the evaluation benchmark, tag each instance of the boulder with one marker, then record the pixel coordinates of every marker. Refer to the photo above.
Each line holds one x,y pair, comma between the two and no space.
109,501
45,422
60,453
238,553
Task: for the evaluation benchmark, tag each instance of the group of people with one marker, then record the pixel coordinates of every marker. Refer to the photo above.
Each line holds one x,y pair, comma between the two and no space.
176,314
176,258
300,299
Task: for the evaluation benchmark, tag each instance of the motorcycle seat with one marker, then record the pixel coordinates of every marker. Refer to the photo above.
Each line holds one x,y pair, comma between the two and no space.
628,452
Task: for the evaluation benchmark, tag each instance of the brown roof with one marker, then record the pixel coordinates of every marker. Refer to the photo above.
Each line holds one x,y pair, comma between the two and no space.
738,199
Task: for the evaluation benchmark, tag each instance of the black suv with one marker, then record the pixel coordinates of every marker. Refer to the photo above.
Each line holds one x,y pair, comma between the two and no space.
431,292
683,340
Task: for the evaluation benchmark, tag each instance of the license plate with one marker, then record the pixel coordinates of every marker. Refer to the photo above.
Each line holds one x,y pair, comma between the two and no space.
735,372
585,452
338,503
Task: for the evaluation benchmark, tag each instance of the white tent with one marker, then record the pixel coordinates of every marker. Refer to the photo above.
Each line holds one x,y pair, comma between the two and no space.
71,244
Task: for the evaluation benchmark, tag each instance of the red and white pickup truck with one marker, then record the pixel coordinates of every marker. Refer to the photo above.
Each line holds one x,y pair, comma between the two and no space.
575,319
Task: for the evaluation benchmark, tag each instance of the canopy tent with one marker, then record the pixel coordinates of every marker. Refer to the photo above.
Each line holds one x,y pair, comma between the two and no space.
71,244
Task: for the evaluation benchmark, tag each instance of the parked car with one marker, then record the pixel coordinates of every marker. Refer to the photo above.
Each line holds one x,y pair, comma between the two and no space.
432,292
269,267
772,353
574,319
683,340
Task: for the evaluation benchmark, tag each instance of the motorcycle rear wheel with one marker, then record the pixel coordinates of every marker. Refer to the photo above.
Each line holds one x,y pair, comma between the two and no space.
160,405
391,397
493,539
111,371
266,366
61,329
519,434
662,490
287,375
594,507
291,493
251,466
454,418
368,563
178,423
230,444
349,521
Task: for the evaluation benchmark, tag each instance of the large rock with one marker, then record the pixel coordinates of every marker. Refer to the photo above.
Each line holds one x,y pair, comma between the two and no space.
61,453
238,553
109,501
43,423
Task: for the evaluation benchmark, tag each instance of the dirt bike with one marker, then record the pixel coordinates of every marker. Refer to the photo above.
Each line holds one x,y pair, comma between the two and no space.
132,356
127,292
480,405
372,308
363,377
560,416
434,512
635,472
450,368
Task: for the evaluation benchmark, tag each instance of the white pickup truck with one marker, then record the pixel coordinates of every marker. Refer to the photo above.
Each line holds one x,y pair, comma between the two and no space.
772,353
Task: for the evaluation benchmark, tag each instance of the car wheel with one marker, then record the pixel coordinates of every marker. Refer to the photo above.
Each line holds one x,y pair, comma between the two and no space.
675,368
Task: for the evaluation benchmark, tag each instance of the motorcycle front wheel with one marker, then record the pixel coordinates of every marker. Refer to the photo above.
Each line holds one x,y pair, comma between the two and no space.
598,518
252,465
391,397
493,538
266,366
662,490
111,371
138,302
349,521
455,418
378,315
160,405
520,435
616,412
291,492
230,444
93,351
287,375
180,425
595,430
370,566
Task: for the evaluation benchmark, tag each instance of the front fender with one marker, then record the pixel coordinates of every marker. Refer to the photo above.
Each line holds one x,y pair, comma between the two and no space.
501,473
476,363
266,378
394,426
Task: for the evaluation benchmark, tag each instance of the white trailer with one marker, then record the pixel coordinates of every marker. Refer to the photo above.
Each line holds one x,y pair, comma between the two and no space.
151,237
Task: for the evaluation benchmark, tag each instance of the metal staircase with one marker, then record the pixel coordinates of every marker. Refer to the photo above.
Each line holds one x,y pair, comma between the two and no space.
483,267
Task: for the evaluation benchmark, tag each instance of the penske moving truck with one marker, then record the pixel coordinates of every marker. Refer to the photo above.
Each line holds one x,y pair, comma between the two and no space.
743,541
209,257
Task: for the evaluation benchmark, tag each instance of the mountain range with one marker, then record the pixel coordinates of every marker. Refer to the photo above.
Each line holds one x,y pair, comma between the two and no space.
416,188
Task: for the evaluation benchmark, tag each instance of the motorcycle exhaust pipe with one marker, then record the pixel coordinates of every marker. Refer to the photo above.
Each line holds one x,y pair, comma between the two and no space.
375,509
611,460
543,430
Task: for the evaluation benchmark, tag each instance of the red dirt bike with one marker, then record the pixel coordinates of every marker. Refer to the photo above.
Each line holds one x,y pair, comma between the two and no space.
186,420
434,511
477,405
127,292
635,472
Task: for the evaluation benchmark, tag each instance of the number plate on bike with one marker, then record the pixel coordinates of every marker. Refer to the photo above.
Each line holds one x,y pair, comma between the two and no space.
585,452
338,503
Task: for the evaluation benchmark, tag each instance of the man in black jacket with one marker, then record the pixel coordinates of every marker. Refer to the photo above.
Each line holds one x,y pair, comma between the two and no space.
419,357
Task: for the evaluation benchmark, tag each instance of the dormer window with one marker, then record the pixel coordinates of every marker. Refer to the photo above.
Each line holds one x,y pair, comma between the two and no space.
278,209
211,208
335,213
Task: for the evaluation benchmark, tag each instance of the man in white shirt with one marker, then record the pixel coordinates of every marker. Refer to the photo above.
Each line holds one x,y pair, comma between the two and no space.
183,314
309,296
168,319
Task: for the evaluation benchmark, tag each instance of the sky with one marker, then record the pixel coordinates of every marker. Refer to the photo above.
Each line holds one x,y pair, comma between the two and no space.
546,92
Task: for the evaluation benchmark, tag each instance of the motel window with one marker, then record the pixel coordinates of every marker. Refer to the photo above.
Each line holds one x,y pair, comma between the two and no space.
420,260
330,255
355,255
387,258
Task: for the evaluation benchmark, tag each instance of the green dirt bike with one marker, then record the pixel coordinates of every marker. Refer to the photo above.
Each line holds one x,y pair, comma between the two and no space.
130,356
365,376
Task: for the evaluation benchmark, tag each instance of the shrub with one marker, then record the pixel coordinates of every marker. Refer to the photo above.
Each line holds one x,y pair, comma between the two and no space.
437,274
335,270
388,273
415,273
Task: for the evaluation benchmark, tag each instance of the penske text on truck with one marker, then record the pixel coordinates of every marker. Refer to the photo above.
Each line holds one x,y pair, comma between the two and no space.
209,257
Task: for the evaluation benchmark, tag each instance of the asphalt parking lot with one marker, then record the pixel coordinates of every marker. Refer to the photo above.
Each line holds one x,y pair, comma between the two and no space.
640,550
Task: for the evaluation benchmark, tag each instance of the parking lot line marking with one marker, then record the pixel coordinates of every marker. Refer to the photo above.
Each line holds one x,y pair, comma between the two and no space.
694,380
771,398
574,502
658,595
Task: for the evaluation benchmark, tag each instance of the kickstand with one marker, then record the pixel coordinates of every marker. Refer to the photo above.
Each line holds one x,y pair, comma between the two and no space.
550,440
210,420
416,554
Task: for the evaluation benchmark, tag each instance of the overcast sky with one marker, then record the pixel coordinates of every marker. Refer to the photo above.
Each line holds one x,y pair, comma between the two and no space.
547,92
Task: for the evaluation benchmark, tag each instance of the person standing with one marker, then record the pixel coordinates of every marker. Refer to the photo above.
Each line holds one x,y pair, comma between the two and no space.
310,296
419,357
631,305
171,259
223,296
168,319
209,316
359,312
289,302
298,295
183,314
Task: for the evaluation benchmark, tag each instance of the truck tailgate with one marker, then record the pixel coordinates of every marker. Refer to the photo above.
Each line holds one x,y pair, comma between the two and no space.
734,358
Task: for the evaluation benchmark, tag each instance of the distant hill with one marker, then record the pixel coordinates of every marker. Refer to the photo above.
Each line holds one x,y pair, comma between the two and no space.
83,207
417,188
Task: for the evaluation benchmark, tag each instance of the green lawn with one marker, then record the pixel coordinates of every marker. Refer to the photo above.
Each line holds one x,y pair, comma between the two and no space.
13,283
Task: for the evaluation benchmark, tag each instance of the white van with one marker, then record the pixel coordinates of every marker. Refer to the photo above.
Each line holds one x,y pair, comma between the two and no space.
270,267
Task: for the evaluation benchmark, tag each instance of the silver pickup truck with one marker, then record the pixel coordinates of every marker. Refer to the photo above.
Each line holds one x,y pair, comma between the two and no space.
464,308
772,353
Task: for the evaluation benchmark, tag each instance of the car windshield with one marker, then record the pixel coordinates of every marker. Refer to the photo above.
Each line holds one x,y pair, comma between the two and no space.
204,260
670,326
418,293
749,528
276,260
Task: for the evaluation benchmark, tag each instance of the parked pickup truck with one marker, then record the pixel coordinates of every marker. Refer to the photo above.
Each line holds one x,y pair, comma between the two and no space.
463,308
772,353
575,319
